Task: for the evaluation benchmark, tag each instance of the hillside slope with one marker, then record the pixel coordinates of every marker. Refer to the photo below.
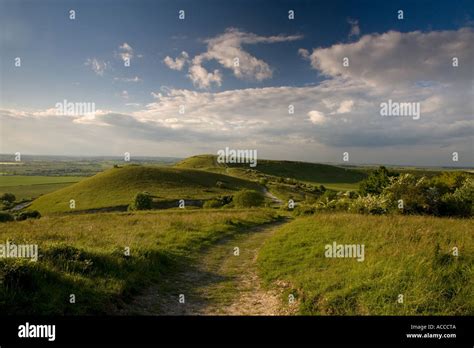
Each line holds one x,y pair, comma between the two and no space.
117,186
303,171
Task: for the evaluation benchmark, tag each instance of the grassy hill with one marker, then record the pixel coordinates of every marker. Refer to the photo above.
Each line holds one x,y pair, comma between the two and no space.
117,186
331,176
200,162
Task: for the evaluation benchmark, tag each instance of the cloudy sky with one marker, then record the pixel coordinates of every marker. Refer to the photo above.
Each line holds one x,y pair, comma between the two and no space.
230,73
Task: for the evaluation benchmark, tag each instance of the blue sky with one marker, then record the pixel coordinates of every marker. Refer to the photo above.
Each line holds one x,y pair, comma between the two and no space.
54,51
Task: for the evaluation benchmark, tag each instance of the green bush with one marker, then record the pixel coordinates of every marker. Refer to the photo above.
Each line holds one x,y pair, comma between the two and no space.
415,193
303,209
4,216
248,199
142,201
459,203
375,182
33,214
370,204
8,197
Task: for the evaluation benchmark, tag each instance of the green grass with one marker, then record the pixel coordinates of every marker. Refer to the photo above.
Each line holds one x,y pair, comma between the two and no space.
33,191
18,180
26,187
333,177
118,186
400,258
84,255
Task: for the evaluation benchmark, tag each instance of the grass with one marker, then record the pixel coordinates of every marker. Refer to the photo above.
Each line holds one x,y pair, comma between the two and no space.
33,191
84,255
401,257
19,180
118,186
26,187
332,177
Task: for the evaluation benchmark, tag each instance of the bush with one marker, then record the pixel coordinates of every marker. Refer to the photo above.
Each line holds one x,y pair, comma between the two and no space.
415,193
459,203
142,201
8,197
248,199
212,203
370,204
33,214
303,209
4,216
375,182
263,181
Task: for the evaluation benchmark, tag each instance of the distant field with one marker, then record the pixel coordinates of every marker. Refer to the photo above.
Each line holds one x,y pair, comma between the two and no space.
6,181
401,257
25,187
84,255
33,191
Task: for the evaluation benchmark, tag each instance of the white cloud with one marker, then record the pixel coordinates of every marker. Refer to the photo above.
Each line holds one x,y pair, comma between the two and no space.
345,107
202,78
126,52
316,117
97,65
128,79
303,53
227,50
177,63
395,59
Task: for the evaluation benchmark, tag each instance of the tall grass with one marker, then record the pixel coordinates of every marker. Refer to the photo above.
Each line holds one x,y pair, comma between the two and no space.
84,255
404,255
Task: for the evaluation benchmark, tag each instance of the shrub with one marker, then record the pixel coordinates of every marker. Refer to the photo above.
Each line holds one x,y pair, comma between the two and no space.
328,195
212,203
303,209
415,193
8,197
326,203
4,216
459,203
33,214
248,199
263,181
375,182
370,204
142,201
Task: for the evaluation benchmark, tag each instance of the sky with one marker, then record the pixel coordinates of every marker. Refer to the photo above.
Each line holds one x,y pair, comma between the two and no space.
228,73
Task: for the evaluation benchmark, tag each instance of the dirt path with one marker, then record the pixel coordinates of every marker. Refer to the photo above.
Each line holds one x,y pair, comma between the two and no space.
220,283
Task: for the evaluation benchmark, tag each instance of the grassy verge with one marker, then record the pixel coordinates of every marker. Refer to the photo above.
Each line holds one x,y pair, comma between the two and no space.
84,255
408,255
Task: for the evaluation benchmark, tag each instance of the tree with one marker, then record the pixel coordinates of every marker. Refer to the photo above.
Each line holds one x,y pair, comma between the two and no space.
8,197
142,201
248,199
375,182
